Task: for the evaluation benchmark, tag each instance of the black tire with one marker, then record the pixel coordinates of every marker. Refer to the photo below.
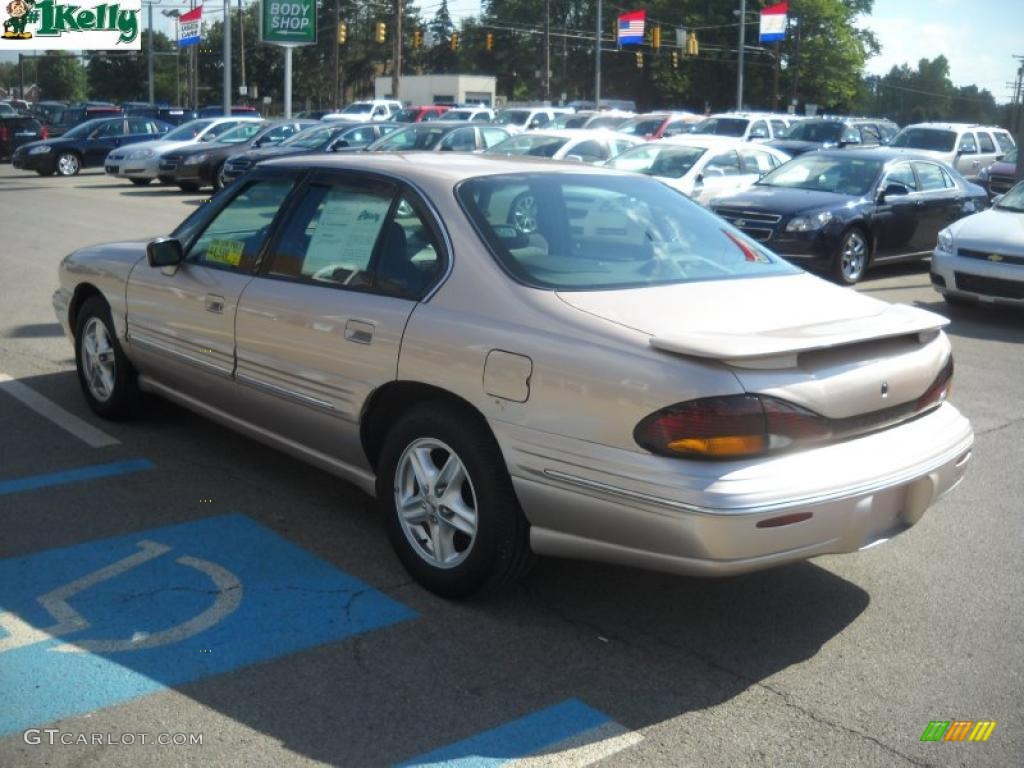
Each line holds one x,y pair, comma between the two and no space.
958,301
140,182
187,186
123,400
852,241
68,164
218,180
500,551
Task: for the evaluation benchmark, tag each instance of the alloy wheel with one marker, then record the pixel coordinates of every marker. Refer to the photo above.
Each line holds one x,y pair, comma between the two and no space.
853,256
436,503
99,362
68,164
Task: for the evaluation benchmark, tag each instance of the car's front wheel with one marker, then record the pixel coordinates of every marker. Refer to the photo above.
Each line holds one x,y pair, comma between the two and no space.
452,514
219,182
851,259
68,164
106,375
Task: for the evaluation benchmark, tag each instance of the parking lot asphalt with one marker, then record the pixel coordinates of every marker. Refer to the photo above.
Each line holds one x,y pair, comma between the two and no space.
168,576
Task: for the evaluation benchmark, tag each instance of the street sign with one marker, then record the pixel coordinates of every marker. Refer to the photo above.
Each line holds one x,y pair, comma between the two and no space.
288,22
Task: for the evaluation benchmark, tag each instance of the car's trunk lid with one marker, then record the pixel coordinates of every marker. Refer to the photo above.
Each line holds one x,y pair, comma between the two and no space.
830,349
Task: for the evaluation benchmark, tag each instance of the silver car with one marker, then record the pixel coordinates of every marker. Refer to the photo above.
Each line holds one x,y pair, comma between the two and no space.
521,356
980,258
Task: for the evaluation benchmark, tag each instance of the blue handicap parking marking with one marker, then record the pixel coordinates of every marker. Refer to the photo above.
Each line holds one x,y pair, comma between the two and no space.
566,734
76,475
102,622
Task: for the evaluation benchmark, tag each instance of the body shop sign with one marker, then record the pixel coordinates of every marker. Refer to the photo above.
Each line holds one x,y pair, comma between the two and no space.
288,22
50,25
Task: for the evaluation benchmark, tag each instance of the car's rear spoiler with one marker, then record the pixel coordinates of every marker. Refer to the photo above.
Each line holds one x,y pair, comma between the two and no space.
779,348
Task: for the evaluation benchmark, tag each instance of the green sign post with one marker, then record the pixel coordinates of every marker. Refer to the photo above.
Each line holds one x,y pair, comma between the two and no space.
289,24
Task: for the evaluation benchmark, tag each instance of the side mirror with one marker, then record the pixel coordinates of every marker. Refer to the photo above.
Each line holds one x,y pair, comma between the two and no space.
164,252
893,189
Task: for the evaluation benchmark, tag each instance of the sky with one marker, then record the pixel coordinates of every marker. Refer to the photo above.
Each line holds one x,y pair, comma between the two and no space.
978,37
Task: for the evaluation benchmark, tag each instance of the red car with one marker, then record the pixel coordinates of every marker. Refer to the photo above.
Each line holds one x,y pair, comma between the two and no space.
421,114
658,125
1001,175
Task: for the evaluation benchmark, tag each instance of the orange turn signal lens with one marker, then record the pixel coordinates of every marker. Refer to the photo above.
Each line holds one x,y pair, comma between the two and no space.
720,447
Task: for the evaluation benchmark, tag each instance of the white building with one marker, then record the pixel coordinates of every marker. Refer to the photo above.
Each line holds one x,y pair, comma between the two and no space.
440,89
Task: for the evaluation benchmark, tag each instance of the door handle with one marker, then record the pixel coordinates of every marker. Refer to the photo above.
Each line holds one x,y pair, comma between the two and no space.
359,331
214,303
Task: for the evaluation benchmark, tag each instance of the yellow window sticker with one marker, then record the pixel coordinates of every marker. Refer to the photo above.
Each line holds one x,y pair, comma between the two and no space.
226,252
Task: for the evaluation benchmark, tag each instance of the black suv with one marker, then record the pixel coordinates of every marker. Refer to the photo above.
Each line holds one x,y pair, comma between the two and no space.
17,130
832,132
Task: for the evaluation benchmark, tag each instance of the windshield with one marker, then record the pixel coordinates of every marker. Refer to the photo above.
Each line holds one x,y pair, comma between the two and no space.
241,133
925,138
670,162
188,131
311,138
217,131
597,232
606,122
826,173
84,129
641,126
722,126
512,117
1013,200
358,108
457,114
810,131
529,144
420,136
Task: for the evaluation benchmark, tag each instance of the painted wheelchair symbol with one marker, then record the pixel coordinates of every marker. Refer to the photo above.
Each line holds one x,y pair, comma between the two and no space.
19,633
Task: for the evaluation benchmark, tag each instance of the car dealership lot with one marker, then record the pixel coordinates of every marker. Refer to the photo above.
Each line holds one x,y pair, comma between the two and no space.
312,645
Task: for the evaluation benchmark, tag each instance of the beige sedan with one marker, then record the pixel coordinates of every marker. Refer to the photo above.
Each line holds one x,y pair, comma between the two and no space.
521,356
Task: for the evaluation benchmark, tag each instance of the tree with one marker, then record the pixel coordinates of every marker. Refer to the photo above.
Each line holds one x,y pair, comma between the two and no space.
60,76
441,57
123,76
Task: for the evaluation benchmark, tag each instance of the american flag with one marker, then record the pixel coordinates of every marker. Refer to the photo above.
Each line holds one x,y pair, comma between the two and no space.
631,27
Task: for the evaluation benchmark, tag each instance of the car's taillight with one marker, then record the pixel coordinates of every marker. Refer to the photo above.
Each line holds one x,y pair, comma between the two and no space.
43,133
729,427
940,390
4,135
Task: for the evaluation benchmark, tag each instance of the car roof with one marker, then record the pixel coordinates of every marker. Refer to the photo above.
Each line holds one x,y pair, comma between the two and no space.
956,126
885,154
579,133
428,168
709,141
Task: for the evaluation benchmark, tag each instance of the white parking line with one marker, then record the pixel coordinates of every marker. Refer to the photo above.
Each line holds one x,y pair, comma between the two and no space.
84,431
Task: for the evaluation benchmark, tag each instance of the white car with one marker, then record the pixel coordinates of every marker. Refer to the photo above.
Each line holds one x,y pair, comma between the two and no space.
702,167
519,119
140,163
375,110
981,257
749,126
584,146
471,114
968,148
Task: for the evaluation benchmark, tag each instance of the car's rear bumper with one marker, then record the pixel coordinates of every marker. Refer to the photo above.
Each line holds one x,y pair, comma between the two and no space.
991,282
702,518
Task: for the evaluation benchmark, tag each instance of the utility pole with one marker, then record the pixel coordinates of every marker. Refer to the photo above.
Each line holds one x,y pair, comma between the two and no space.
149,55
336,98
796,63
21,76
739,61
1019,100
227,60
547,51
396,53
241,44
597,57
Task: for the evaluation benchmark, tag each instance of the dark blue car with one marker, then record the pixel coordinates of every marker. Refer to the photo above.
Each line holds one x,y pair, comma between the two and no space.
841,211
86,145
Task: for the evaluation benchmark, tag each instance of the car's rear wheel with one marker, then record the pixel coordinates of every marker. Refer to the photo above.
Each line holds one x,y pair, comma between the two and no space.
851,259
452,514
68,164
106,375
140,182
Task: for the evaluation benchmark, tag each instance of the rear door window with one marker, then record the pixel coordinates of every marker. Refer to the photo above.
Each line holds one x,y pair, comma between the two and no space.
967,144
931,177
590,151
985,142
724,164
901,174
1005,142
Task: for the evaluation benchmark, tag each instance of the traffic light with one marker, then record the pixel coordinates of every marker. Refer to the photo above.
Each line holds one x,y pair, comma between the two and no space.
692,48
417,38
342,33
639,60
656,38
381,32
675,59
489,42
455,41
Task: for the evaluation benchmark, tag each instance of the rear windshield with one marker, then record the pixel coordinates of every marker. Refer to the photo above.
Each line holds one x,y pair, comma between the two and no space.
816,132
658,159
533,144
723,126
641,126
925,138
569,231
